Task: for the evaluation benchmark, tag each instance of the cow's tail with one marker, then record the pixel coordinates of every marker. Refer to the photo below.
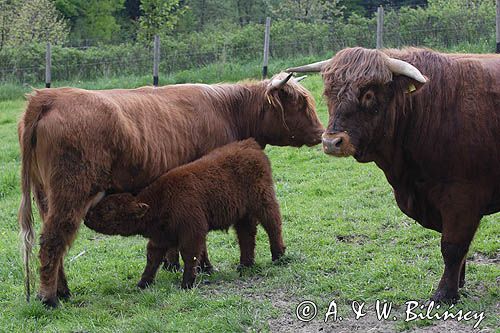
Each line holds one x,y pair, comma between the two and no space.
27,139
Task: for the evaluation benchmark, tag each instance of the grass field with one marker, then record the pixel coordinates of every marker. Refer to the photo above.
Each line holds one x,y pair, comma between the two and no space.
346,240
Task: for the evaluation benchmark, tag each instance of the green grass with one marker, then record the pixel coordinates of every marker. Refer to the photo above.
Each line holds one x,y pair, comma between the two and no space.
346,240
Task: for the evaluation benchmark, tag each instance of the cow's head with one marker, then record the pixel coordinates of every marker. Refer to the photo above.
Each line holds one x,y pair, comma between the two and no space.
361,86
117,214
289,114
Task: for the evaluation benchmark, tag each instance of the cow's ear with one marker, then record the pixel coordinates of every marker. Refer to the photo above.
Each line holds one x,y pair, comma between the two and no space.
142,209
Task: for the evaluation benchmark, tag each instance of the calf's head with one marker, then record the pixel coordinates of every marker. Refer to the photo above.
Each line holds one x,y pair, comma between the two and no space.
362,88
117,214
289,117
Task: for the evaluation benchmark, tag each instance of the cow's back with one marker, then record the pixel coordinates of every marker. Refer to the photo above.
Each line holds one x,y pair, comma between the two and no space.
130,136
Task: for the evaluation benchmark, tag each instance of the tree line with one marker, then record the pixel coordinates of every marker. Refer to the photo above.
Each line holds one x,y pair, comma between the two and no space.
105,21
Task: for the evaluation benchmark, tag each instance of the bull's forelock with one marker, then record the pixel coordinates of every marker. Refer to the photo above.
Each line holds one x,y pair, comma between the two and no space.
357,67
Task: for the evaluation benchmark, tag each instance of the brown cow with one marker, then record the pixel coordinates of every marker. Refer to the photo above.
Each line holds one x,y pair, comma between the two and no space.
437,138
76,144
231,186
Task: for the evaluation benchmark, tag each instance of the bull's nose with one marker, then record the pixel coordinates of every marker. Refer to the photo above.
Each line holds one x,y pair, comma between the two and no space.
332,145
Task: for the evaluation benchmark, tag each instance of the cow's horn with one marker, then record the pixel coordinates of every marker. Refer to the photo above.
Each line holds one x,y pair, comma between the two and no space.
403,68
278,84
311,68
300,78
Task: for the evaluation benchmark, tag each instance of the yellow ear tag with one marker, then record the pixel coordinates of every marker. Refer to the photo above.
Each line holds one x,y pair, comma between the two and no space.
411,88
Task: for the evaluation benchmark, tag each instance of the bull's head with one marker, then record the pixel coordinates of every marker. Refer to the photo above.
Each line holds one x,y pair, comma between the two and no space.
361,86
290,117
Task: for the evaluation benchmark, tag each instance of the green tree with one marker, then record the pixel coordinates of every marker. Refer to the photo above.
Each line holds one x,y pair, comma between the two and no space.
159,16
308,10
37,21
7,14
92,19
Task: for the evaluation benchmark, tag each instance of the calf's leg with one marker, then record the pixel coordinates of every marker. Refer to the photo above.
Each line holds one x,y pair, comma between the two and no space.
155,254
205,265
246,229
171,262
270,219
461,282
192,248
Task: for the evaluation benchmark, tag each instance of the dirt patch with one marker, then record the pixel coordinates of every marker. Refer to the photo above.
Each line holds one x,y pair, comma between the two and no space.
480,258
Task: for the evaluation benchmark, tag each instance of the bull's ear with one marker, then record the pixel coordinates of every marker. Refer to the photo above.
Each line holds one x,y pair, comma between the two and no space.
409,85
142,209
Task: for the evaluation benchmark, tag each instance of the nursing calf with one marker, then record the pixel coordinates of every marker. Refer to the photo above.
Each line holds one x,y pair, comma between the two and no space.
231,186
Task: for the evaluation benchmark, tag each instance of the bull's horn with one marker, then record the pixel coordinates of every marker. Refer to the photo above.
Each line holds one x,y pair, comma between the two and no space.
300,78
403,68
278,84
311,68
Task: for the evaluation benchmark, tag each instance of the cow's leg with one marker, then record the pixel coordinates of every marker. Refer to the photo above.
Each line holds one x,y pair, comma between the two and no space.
63,291
58,232
246,229
461,282
458,232
205,265
191,251
270,219
155,254
171,262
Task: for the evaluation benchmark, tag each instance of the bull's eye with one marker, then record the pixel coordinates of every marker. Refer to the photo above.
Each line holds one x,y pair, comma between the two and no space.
368,99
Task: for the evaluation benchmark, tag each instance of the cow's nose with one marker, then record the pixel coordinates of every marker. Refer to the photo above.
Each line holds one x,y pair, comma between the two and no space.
332,145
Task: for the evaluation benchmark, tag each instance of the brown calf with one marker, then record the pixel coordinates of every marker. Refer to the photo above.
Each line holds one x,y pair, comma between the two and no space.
231,186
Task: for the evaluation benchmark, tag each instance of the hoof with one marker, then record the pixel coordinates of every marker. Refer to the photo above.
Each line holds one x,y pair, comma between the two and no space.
445,297
50,303
242,266
172,267
143,284
187,285
276,254
207,269
64,294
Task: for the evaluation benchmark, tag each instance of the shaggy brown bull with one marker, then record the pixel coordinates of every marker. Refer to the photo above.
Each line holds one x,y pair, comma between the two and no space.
231,186
76,144
436,136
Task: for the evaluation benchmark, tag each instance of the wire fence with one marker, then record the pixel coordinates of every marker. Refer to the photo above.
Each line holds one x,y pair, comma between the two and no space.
88,60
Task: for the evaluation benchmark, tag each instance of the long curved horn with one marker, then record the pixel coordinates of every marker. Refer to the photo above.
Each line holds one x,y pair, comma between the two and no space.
278,84
311,68
403,68
300,78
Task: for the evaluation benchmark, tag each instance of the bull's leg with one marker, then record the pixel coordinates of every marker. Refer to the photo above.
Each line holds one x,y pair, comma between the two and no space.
246,229
171,262
191,251
155,254
458,231
270,219
461,282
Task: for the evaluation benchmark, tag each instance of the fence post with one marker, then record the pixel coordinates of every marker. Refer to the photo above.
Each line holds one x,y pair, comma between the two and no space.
380,27
156,60
48,65
498,26
266,47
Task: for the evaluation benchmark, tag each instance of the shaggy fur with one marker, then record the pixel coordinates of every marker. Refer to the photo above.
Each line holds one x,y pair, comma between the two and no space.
76,144
231,186
437,143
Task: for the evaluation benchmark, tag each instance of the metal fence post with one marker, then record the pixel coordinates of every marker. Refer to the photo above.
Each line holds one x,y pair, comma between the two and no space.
48,65
380,27
156,60
498,26
266,47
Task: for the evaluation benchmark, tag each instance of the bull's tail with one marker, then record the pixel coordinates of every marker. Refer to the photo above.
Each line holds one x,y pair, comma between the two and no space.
27,140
